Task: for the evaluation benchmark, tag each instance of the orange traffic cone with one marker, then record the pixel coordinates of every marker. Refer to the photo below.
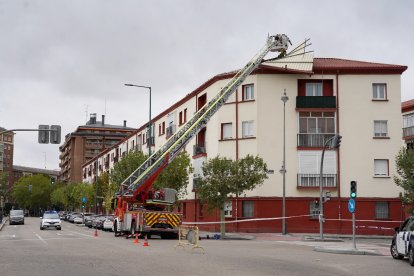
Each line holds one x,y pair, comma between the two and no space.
145,241
136,238
96,232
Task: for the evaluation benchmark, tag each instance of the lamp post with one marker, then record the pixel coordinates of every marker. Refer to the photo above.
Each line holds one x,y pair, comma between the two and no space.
149,121
284,99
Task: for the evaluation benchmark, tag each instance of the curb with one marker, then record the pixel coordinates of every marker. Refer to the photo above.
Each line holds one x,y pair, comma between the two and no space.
349,251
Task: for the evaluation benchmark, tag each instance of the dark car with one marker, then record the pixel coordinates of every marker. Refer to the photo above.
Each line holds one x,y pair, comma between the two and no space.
89,219
402,244
16,217
98,221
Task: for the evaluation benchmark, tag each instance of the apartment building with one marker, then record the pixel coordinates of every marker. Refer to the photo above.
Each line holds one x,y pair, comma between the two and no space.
6,154
87,142
360,100
407,109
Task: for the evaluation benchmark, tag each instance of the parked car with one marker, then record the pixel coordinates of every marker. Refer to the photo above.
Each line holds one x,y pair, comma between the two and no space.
402,244
72,216
108,223
50,219
78,219
89,219
16,217
62,215
98,221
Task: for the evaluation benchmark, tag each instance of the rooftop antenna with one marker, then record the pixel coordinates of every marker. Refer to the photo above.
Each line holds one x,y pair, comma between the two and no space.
86,113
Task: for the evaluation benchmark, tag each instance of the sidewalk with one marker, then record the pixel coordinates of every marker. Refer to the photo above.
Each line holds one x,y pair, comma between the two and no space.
5,219
337,244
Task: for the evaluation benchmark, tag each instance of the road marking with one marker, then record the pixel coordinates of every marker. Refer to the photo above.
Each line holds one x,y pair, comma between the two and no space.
77,233
40,238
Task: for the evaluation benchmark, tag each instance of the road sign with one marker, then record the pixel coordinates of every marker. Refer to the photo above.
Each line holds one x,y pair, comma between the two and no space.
351,205
83,199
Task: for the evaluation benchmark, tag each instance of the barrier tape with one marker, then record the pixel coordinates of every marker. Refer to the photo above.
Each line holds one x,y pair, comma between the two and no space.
279,218
242,220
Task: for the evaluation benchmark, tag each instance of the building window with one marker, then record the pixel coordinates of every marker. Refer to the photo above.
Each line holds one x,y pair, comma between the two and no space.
200,210
314,210
248,92
185,115
247,129
309,169
248,209
226,130
379,91
381,210
228,209
315,128
381,167
184,209
314,89
180,118
380,129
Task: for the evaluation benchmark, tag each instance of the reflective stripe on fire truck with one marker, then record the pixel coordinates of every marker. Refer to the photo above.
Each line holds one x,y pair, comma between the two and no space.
152,218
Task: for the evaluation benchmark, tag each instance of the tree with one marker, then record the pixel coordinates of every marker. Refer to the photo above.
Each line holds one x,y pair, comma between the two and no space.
224,177
33,192
405,170
175,176
127,165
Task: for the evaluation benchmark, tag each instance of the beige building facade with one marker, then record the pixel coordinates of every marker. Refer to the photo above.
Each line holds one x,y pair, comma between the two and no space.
359,100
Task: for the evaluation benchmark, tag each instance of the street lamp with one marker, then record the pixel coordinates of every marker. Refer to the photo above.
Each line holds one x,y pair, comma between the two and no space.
284,99
149,121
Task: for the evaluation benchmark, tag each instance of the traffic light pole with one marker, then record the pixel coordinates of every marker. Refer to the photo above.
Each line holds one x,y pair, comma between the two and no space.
353,230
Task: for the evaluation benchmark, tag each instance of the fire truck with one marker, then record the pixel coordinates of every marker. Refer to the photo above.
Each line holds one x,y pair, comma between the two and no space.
141,209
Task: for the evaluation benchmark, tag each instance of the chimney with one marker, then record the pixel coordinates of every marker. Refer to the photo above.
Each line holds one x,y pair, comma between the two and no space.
103,120
124,123
92,119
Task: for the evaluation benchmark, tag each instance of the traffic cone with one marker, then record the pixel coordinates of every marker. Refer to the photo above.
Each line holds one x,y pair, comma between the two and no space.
96,232
145,241
136,238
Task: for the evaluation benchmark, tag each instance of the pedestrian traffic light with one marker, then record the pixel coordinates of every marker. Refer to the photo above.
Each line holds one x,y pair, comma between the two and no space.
336,141
353,189
316,203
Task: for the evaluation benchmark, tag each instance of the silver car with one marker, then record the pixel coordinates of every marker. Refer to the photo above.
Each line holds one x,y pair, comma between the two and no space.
16,217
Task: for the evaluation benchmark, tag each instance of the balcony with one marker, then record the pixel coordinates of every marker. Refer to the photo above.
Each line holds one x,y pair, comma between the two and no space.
313,140
170,131
316,102
408,131
198,149
312,180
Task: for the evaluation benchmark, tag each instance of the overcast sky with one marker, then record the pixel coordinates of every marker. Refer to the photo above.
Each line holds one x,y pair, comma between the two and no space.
60,60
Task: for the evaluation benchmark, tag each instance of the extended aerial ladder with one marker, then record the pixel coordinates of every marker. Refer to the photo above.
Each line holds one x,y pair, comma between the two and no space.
144,176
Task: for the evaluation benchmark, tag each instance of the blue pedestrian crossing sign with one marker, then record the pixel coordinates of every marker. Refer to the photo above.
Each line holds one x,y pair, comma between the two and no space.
83,199
351,205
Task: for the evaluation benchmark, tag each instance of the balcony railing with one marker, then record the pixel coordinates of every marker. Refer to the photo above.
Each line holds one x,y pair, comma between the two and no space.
408,131
197,149
170,131
316,102
313,139
312,180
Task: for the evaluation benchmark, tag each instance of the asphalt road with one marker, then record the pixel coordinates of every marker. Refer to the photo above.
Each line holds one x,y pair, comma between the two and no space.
26,250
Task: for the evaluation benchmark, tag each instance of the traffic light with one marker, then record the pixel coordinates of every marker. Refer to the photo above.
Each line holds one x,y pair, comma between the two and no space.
316,203
353,189
43,136
55,134
336,141
52,181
